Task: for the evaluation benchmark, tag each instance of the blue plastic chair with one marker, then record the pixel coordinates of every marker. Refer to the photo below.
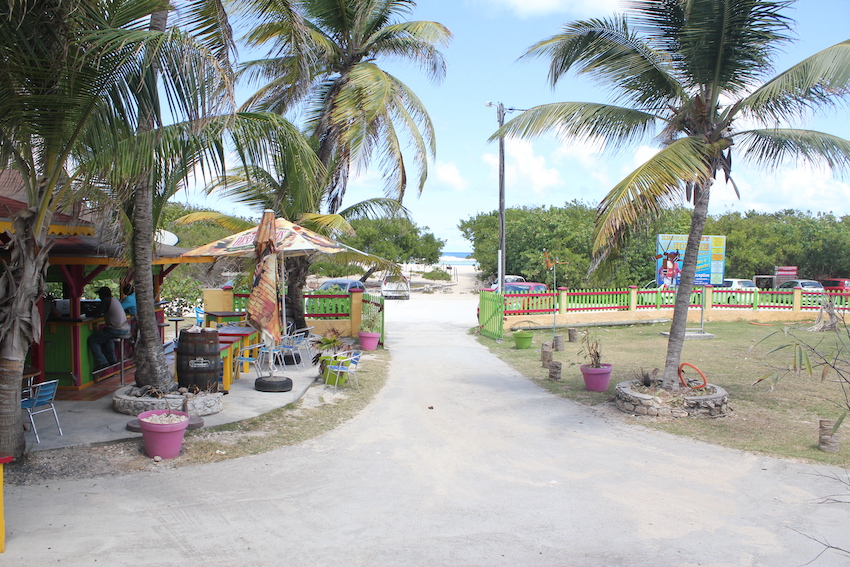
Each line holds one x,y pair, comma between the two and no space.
199,316
41,397
346,367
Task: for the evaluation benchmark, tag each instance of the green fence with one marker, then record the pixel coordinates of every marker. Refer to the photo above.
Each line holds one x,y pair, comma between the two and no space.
320,305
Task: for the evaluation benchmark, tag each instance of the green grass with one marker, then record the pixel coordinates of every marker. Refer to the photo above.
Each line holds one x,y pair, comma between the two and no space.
779,419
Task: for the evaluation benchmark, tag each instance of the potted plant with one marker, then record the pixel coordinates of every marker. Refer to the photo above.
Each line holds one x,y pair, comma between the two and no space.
597,376
162,432
370,327
330,345
523,337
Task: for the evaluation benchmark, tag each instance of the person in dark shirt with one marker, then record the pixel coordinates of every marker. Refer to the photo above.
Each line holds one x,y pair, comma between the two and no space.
100,341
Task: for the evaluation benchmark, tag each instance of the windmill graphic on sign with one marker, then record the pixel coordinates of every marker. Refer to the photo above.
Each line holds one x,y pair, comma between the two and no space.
550,267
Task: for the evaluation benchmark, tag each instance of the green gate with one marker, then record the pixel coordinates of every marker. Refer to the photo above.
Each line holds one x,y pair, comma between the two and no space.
491,314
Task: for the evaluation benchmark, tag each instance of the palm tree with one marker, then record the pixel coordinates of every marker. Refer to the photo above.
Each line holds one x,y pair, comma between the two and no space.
355,109
286,181
152,160
69,73
689,71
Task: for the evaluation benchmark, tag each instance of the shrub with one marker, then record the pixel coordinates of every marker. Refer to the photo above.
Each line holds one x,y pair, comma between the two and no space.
437,275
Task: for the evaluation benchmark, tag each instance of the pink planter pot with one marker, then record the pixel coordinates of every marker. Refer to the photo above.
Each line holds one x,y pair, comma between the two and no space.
369,341
163,439
596,379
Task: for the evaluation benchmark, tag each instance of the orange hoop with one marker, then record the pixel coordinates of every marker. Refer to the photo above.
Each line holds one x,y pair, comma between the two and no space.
685,382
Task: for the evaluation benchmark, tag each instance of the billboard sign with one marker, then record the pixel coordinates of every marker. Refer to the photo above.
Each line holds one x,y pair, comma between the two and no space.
670,251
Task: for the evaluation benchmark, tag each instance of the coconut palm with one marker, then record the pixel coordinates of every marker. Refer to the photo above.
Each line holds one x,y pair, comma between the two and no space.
690,72
355,109
281,183
69,73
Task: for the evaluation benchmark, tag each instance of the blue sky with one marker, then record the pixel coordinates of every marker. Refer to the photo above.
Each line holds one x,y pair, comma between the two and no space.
482,66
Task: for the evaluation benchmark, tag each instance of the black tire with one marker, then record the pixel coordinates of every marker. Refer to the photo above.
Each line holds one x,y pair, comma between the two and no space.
273,384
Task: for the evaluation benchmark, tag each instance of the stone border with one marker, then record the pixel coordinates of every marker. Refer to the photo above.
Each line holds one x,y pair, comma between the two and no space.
713,405
196,405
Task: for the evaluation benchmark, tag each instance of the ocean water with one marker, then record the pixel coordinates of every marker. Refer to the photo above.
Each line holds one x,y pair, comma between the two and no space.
457,259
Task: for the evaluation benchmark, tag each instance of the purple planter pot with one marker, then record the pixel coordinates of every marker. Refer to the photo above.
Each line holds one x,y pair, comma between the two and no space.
596,379
163,439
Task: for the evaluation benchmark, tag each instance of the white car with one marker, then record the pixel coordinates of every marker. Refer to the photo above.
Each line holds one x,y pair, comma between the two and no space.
395,286
738,283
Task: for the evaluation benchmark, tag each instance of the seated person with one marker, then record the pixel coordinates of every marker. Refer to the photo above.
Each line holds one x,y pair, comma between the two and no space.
100,341
129,301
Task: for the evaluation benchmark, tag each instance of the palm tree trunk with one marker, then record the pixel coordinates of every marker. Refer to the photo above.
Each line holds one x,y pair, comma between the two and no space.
676,341
149,356
21,285
297,270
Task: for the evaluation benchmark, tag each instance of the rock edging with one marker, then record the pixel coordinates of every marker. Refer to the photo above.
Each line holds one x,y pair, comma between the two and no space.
712,405
194,404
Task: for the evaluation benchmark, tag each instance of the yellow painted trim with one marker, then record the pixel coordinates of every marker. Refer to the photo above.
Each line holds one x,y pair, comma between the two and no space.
57,229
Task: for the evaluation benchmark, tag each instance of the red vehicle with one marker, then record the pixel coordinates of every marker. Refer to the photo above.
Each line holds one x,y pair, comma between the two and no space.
841,285
516,303
521,287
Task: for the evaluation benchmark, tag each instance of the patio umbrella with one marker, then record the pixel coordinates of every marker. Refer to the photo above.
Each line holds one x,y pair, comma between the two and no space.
289,240
264,308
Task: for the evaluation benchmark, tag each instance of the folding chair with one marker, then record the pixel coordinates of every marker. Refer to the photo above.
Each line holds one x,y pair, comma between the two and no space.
345,367
42,397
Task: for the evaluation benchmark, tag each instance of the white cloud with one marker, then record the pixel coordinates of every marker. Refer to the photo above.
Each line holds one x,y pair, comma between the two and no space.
802,188
449,175
580,8
525,171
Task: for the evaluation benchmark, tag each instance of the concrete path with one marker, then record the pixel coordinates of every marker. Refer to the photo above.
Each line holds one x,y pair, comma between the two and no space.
458,461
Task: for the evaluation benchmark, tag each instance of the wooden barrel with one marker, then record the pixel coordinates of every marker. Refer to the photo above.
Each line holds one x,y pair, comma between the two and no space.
198,360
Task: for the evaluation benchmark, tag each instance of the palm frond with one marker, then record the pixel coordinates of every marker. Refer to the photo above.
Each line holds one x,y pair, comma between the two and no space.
720,46
655,185
608,51
771,146
822,79
228,222
582,121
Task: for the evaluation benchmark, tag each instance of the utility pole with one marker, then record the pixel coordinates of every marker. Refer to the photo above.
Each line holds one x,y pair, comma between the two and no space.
500,118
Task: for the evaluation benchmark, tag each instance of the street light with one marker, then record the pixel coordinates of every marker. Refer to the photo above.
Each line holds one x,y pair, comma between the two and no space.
500,118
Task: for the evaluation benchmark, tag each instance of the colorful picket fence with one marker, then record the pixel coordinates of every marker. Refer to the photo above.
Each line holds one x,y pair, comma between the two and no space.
493,308
321,305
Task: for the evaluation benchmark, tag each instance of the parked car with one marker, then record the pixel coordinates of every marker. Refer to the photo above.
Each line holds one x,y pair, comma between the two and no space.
807,285
738,283
521,287
395,286
841,285
508,279
813,292
722,295
344,284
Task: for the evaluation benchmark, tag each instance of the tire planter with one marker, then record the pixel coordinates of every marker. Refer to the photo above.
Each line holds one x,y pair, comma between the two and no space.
522,339
163,439
273,384
596,379
369,341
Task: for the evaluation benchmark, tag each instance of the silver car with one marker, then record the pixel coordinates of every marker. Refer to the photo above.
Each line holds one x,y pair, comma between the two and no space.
395,287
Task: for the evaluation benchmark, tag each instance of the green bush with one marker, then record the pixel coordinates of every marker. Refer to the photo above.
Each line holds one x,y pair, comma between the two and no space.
334,270
437,275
